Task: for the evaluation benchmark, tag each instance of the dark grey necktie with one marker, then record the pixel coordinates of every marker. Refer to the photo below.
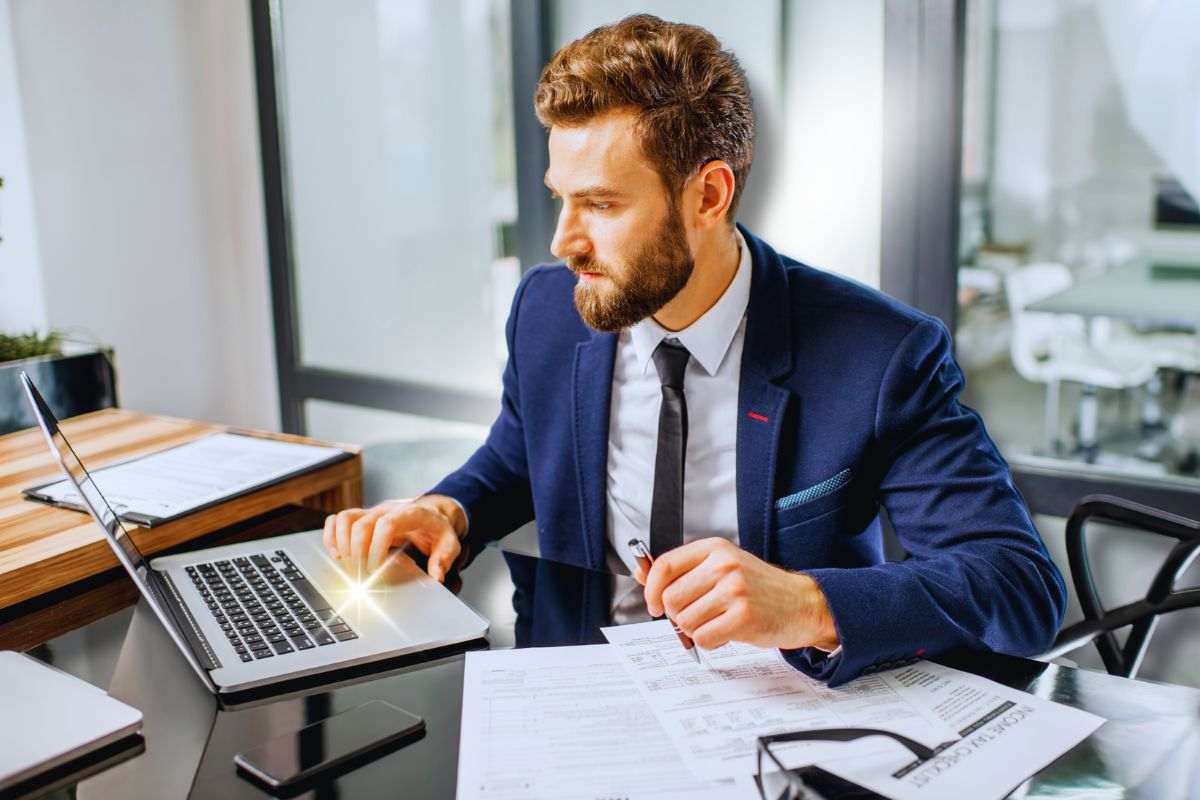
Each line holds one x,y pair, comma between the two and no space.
666,509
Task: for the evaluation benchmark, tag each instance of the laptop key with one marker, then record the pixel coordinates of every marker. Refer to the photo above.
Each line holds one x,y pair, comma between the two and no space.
339,628
302,642
261,654
325,613
322,637
282,646
310,594
346,636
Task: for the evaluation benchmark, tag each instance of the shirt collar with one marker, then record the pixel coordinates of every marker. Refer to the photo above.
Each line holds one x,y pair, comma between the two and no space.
709,337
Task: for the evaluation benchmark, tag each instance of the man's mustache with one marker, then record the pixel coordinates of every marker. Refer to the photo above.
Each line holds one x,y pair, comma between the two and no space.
585,265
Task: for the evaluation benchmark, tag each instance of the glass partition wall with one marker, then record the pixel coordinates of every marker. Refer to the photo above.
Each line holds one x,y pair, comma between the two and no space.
1079,240
390,173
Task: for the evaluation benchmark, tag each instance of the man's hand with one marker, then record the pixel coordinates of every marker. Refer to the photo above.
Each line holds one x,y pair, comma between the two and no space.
716,593
362,537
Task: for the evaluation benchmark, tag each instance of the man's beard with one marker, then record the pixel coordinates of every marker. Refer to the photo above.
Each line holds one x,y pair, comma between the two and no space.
656,274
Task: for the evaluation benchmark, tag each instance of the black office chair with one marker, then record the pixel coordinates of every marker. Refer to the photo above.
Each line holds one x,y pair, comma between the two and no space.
1142,615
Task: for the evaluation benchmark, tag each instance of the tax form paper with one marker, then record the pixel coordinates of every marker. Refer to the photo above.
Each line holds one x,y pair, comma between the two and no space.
988,738
568,723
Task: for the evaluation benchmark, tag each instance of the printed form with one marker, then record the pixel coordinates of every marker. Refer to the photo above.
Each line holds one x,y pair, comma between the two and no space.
568,723
989,738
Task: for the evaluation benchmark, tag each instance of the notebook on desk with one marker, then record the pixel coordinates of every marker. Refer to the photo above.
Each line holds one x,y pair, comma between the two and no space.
52,718
156,488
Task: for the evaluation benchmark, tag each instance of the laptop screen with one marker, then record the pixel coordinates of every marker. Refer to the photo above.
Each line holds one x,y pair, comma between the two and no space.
122,544
82,479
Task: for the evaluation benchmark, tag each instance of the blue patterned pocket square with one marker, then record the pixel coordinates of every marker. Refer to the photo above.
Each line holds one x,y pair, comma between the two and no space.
827,486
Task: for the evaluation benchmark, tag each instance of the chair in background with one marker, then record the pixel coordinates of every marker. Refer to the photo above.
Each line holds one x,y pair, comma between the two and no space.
1052,348
1172,351
1141,616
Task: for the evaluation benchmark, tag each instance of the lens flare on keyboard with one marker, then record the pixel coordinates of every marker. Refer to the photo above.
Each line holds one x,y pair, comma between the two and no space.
353,599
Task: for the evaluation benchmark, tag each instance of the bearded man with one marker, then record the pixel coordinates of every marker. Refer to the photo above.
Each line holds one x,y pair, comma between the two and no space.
675,379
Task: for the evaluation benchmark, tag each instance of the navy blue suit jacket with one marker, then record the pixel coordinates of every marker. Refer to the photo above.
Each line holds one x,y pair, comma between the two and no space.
848,402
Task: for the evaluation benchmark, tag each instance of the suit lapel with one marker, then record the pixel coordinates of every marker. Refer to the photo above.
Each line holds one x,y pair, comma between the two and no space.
593,388
766,356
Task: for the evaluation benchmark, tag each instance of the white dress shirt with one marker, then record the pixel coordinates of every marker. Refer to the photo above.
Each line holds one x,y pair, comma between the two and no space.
710,386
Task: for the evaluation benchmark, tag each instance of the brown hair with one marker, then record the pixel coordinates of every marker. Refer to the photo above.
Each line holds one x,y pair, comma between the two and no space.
691,96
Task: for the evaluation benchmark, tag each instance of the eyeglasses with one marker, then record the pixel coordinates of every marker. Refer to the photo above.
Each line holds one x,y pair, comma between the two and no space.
811,782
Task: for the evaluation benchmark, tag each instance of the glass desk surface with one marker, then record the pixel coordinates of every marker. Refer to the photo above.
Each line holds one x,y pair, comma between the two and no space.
1149,748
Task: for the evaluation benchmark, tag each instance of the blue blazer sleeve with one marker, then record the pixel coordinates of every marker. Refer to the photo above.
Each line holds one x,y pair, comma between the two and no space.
978,575
493,485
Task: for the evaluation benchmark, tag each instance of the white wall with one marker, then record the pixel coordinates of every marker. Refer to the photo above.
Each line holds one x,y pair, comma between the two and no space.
21,300
826,206
141,127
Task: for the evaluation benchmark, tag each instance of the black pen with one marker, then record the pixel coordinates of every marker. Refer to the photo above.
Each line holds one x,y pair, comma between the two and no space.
642,554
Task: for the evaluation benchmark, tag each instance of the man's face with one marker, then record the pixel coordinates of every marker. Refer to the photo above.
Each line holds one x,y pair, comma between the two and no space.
618,230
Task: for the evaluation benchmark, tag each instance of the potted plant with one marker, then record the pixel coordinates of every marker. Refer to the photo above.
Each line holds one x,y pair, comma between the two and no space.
74,377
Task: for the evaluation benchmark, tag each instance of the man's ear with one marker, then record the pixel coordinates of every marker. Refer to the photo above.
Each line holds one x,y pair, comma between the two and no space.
713,184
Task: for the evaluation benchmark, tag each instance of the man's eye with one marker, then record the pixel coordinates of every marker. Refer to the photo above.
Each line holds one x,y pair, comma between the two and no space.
601,206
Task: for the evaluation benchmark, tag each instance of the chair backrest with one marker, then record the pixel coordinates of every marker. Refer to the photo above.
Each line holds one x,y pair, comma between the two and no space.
1033,333
1141,616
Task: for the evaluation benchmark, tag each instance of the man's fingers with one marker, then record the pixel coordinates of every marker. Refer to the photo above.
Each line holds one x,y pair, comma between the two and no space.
670,565
443,555
717,632
689,587
360,535
387,533
327,537
707,607
341,529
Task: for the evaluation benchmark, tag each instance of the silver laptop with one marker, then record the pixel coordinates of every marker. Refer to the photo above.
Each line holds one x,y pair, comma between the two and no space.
252,614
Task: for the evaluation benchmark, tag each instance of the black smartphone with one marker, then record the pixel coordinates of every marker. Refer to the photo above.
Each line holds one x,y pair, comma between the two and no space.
349,739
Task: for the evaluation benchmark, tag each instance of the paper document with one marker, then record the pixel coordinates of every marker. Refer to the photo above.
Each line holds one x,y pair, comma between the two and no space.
193,475
567,723
991,738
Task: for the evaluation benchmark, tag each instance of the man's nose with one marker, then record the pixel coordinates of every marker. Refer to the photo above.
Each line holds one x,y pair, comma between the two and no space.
570,241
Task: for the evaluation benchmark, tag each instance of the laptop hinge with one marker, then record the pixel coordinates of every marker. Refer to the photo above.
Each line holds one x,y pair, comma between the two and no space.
184,621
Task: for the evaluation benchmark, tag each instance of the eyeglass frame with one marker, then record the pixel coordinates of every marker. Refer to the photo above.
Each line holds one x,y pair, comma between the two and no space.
795,781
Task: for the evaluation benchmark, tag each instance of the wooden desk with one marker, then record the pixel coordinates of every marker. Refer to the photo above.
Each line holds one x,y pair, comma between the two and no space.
46,550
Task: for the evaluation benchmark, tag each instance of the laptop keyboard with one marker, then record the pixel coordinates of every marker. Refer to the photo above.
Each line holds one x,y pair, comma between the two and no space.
266,606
